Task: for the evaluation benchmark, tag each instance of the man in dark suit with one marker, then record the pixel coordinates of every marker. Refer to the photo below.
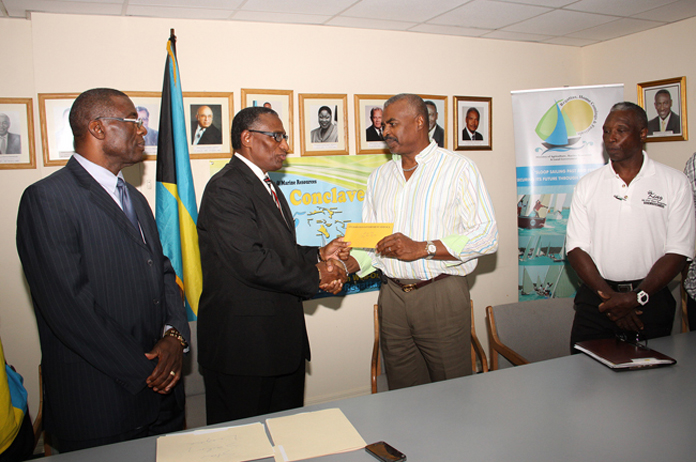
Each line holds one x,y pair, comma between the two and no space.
10,143
110,315
666,120
251,330
374,131
472,123
203,131
435,131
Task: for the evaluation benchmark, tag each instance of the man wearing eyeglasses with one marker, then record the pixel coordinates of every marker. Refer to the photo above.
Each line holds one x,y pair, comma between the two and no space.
111,319
251,331
630,232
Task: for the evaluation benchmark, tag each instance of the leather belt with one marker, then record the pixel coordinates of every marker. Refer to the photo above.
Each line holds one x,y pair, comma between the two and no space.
625,286
409,287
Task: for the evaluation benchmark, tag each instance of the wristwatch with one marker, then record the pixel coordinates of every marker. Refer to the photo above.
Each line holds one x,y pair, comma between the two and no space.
642,297
431,248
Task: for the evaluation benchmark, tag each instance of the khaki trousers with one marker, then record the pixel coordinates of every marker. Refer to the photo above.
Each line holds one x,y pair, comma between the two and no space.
425,334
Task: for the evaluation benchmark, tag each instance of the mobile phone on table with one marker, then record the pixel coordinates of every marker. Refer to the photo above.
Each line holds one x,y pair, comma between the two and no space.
385,452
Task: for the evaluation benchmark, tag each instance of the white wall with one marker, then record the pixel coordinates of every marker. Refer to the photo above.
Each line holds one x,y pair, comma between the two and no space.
66,53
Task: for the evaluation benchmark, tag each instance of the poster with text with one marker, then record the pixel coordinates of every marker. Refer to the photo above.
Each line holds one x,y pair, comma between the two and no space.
558,139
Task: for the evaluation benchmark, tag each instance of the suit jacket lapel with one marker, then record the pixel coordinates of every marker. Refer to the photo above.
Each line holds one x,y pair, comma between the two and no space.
103,200
263,196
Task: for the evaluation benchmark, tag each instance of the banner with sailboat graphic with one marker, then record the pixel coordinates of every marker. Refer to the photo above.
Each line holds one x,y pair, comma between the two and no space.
558,139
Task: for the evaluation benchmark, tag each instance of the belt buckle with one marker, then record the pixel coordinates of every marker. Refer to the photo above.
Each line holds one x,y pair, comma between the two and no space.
409,287
624,287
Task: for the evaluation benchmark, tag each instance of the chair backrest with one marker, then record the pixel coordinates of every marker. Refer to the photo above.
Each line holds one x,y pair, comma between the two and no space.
529,331
477,351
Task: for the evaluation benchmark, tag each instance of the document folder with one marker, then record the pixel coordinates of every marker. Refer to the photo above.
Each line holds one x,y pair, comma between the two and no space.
622,356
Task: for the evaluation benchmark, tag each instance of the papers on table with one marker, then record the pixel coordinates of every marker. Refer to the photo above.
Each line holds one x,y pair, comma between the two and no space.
313,434
367,235
232,444
296,437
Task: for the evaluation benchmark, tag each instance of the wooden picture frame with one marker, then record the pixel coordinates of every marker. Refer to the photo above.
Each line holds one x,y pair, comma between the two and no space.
482,130
280,101
17,123
56,134
440,102
365,127
214,141
317,139
669,122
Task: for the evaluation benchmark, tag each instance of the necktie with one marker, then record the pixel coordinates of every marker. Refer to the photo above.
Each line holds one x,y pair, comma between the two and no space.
267,180
3,144
126,202
663,125
199,133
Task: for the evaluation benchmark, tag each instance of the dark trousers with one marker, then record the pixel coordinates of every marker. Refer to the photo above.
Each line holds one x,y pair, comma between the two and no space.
691,311
590,323
231,397
170,419
23,445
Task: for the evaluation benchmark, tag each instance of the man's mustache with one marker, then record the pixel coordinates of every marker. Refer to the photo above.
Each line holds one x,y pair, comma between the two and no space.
392,138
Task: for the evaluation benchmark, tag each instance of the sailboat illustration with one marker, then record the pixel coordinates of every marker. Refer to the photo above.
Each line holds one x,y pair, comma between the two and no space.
556,128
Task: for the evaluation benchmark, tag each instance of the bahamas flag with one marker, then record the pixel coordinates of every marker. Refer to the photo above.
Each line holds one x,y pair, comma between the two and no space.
176,211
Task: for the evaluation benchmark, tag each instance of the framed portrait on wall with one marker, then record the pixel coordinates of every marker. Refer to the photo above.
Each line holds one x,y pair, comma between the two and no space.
278,100
368,124
208,118
664,102
323,124
17,133
437,118
56,134
147,104
473,123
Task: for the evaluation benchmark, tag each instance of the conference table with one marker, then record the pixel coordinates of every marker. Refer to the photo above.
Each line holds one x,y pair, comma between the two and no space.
566,409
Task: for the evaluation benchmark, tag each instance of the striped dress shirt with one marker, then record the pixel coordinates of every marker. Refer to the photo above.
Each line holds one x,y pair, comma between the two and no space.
444,199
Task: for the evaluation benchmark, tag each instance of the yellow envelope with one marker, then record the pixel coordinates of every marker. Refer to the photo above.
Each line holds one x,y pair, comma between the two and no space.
367,235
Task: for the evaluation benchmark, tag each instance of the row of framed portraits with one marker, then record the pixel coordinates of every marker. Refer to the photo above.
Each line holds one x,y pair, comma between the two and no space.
324,123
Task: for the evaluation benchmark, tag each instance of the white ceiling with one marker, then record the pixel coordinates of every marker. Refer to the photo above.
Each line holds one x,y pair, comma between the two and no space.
561,22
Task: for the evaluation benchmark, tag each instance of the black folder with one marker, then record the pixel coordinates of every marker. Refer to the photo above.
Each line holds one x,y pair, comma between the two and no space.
620,355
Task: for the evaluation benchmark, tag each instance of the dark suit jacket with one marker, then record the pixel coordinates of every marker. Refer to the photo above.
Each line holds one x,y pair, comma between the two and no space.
14,144
477,136
371,134
255,276
674,124
439,136
102,298
211,135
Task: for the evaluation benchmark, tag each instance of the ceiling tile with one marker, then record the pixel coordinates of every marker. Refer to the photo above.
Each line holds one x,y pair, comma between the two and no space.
171,12
401,10
324,7
281,17
517,36
215,4
618,28
673,12
570,41
560,22
549,3
488,14
617,7
449,30
364,23
19,8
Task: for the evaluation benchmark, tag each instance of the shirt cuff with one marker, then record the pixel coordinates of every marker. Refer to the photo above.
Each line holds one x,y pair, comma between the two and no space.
455,245
364,259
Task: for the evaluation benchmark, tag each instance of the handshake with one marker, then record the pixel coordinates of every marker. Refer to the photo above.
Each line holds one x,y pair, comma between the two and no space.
333,271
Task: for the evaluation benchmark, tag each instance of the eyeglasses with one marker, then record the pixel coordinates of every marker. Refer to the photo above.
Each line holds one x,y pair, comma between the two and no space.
278,136
138,122
637,340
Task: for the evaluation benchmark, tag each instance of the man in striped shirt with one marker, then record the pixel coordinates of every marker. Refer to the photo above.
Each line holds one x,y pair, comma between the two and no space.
443,222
